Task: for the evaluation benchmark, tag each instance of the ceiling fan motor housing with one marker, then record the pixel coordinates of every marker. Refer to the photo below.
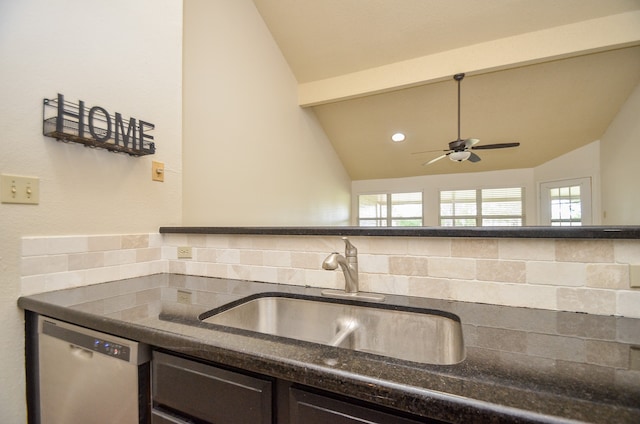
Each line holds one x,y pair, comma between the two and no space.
457,145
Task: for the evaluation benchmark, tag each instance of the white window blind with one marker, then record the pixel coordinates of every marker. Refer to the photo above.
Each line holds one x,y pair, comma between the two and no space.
482,207
390,210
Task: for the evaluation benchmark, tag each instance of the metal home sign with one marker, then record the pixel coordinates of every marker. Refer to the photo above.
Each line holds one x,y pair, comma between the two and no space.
96,127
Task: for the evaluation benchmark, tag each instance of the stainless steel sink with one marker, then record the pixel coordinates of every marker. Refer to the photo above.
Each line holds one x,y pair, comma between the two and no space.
425,336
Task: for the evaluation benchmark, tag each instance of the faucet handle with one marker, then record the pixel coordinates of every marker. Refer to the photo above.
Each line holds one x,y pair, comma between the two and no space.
349,249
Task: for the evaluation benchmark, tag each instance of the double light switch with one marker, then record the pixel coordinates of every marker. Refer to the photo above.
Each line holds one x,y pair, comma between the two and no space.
18,189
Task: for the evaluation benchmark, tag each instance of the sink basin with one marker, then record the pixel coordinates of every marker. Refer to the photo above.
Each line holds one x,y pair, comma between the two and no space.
418,335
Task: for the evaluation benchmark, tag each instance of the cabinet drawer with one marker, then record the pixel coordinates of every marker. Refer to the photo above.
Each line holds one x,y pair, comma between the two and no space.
158,417
311,408
209,393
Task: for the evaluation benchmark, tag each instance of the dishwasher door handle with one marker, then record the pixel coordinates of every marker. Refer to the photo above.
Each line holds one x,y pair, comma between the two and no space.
80,352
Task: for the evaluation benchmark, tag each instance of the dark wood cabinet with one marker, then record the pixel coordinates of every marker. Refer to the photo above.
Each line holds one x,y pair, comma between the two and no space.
191,391
184,390
312,408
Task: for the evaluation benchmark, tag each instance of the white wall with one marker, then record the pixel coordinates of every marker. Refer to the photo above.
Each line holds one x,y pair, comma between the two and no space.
122,55
254,156
620,169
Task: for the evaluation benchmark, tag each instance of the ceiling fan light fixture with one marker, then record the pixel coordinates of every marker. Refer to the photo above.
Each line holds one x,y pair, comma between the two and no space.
459,156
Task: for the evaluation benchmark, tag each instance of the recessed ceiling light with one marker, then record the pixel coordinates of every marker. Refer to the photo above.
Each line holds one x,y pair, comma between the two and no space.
398,137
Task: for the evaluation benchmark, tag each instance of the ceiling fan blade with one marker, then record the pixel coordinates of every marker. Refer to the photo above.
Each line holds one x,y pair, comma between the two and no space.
474,158
436,159
495,146
429,151
470,142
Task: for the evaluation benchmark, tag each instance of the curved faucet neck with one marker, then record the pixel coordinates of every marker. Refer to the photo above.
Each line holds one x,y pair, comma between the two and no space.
349,267
348,263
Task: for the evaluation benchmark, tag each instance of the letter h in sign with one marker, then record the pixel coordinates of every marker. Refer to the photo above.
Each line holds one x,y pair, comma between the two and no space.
62,112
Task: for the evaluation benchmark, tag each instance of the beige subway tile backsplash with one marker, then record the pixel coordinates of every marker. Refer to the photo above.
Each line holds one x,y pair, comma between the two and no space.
85,260
474,248
627,251
307,260
104,242
119,257
573,275
608,276
380,245
277,258
452,268
135,241
628,303
377,283
438,288
408,265
251,257
557,273
373,264
584,250
148,254
527,249
593,301
504,271
429,246
293,276
228,256
34,265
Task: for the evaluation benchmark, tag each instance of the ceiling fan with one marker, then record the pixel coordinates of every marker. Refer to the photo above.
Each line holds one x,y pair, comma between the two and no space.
459,150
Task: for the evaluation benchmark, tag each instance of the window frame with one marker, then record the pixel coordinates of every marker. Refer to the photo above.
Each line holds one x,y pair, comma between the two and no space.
479,217
389,218
586,200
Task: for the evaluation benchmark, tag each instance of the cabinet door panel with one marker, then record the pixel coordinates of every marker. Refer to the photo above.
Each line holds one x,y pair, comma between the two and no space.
311,408
210,393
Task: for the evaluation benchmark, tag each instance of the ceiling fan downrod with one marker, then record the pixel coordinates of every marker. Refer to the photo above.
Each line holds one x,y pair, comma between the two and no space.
458,77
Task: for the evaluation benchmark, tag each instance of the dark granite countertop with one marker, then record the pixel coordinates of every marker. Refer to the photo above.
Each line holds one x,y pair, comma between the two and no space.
587,232
522,365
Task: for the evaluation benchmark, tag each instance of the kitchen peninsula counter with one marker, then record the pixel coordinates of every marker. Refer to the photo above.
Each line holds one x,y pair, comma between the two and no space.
521,365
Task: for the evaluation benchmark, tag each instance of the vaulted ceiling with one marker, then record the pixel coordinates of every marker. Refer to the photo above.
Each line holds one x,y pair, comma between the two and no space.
548,74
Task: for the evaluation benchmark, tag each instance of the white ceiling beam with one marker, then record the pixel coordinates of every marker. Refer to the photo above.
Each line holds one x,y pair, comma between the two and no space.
595,35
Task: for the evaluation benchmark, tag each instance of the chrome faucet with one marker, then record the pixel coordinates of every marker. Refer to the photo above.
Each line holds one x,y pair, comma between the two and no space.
348,263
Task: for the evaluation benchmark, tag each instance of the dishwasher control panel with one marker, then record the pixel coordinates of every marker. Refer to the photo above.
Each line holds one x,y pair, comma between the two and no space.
101,344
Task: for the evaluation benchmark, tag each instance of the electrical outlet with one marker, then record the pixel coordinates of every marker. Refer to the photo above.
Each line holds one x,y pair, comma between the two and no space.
17,189
634,358
634,276
184,297
184,252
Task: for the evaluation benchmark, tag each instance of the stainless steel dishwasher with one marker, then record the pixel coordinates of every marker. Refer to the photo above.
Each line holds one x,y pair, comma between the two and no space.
90,377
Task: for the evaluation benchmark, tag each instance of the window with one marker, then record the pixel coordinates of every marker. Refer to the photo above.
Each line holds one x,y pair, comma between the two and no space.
566,203
482,207
390,210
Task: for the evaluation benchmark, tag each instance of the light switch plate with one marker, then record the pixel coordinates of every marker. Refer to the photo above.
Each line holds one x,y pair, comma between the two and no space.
18,189
157,171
